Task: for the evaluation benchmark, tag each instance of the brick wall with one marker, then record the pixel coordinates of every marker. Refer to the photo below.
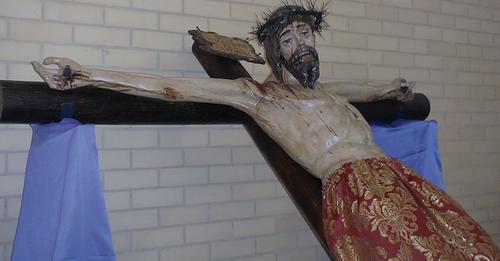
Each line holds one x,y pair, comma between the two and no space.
204,192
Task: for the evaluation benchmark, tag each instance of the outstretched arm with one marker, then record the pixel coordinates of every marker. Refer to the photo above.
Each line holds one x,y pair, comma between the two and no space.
70,75
398,89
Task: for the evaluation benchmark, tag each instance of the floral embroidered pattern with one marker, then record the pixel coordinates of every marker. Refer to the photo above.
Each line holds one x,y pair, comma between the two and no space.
379,209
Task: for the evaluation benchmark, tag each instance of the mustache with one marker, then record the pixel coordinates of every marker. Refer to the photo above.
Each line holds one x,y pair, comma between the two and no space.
304,66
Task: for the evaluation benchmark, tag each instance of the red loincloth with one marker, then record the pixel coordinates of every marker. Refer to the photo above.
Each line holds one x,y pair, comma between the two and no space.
379,209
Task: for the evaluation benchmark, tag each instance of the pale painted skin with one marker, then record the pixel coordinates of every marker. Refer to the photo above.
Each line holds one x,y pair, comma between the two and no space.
317,127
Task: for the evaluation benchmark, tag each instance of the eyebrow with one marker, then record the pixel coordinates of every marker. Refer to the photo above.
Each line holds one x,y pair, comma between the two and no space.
284,32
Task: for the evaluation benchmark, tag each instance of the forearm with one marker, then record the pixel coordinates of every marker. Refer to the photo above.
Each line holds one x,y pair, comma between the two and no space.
361,91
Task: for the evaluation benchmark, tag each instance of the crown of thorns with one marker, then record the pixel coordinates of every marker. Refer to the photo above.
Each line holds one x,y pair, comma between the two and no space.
271,22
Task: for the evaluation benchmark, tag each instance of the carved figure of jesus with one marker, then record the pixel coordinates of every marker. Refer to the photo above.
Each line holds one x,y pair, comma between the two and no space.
374,207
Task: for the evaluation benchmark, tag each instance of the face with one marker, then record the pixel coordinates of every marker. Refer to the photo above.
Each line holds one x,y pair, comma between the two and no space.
293,36
296,43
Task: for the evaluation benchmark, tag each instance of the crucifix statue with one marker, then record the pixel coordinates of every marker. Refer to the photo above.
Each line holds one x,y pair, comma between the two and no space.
374,207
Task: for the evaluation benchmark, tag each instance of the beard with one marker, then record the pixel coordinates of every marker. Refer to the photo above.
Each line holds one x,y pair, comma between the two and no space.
304,66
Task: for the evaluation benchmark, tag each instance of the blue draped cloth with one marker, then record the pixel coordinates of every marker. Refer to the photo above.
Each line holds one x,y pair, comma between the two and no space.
413,142
63,216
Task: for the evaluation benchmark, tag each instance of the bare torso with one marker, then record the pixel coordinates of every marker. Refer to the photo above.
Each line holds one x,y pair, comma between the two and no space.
317,129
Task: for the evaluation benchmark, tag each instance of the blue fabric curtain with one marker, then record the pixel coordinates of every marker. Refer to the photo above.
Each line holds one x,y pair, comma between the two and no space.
413,142
63,216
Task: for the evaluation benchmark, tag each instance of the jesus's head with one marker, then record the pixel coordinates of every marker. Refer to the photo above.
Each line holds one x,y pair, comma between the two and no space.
288,36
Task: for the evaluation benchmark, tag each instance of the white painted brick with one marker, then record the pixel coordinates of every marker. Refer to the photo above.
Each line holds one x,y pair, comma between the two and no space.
398,3
127,179
136,219
269,257
398,59
122,3
209,232
143,255
188,253
441,20
3,71
264,172
208,193
13,207
365,57
470,78
2,208
40,31
427,32
244,155
246,12
230,137
7,231
453,8
360,25
413,46
442,48
338,22
298,255
487,201
256,190
16,162
117,200
122,241
443,76
347,8
382,73
381,12
182,23
490,27
184,215
131,59
131,19
22,72
15,140
120,139
306,238
419,75
427,5
254,227
397,29
468,24
480,39
483,66
3,28
428,61
331,54
491,53
207,156
468,50
157,40
183,138
232,29
65,12
412,16
22,9
114,159
179,61
157,237
157,197
233,248
159,5
230,174
383,43
455,36
19,51
101,36
232,210
277,206
206,8
276,243
349,40
84,55
156,158
350,71
479,12
183,176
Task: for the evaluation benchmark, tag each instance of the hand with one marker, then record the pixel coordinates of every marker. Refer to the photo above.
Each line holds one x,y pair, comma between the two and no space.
400,89
70,74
